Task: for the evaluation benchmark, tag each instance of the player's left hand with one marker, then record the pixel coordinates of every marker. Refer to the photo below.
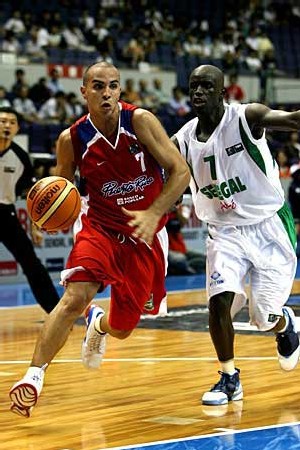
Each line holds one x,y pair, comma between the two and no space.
144,224
37,235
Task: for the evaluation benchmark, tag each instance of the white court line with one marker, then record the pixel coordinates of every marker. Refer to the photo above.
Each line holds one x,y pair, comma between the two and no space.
205,436
142,360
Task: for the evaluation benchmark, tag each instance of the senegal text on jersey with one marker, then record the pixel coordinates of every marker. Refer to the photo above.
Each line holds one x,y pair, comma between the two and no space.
225,189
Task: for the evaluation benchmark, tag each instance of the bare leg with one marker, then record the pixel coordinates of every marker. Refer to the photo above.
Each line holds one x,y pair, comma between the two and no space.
58,324
25,393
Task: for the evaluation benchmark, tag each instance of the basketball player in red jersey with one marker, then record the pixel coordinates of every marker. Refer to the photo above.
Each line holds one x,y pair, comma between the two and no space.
121,152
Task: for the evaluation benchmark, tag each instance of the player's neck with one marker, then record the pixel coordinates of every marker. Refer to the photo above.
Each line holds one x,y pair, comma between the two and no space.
107,126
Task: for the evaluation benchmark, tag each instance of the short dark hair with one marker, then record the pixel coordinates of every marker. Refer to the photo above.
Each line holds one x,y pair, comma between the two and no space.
9,110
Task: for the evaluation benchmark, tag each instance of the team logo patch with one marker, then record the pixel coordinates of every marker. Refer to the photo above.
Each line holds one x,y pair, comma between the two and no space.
133,149
236,148
9,169
216,279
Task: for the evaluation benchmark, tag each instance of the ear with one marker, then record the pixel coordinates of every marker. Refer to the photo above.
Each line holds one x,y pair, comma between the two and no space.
82,90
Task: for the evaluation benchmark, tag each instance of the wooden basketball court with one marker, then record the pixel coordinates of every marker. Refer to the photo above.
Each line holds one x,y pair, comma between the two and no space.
147,389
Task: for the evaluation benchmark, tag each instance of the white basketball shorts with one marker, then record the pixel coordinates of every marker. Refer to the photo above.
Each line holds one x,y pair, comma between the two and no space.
261,254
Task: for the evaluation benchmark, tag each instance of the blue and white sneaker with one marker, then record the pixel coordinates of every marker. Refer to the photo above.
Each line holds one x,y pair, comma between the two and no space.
288,346
228,389
93,345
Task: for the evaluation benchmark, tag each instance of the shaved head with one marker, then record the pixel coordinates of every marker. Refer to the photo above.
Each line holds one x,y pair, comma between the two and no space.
210,71
99,65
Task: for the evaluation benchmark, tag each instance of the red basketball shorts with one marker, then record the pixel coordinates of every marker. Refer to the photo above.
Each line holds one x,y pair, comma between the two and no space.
135,271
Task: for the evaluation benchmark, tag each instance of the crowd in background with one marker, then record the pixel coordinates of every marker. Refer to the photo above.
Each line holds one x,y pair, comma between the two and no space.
128,36
131,32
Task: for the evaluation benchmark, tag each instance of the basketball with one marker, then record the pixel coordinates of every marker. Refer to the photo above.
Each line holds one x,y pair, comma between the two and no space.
53,203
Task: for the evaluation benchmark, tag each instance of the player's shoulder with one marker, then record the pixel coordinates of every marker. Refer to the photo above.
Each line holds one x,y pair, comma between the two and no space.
187,128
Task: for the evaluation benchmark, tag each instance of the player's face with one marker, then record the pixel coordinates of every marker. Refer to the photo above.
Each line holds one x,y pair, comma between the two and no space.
102,90
205,91
9,126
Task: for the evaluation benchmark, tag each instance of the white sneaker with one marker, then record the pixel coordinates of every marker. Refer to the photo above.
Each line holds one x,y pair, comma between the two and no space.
25,393
229,388
93,345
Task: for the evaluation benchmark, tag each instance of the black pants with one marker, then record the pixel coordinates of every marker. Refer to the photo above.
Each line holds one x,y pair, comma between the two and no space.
15,239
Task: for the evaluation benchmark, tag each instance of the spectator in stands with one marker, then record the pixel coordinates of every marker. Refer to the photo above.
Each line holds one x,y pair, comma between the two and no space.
283,163
134,51
10,43
15,24
39,92
252,40
191,46
293,147
32,47
56,110
160,97
230,63
20,81
74,37
130,94
99,32
294,200
253,63
55,37
87,23
265,45
75,105
54,84
181,261
178,104
42,36
106,50
234,92
25,106
147,99
4,102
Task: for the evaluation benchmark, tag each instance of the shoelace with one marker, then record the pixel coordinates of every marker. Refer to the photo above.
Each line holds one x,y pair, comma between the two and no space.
226,383
95,342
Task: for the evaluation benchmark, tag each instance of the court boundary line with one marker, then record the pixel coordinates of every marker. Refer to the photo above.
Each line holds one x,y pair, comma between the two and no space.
205,436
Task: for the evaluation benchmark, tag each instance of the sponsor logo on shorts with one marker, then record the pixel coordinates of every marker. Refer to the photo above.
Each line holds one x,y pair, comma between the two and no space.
273,317
216,279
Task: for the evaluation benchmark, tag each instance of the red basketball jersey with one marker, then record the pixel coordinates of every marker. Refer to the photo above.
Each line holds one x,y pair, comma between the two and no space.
116,174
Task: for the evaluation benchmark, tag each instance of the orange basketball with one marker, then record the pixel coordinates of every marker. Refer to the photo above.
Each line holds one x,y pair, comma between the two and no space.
53,203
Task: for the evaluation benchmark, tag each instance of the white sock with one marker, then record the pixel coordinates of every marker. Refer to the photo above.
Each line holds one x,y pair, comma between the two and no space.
228,366
97,324
34,370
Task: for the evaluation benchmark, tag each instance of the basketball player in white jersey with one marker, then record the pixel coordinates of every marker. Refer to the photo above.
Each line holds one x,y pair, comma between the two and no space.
236,190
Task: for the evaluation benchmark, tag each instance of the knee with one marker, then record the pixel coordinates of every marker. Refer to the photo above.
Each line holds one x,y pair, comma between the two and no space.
220,305
120,334
72,306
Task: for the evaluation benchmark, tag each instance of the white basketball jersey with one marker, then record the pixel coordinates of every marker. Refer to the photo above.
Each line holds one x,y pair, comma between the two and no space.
235,180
